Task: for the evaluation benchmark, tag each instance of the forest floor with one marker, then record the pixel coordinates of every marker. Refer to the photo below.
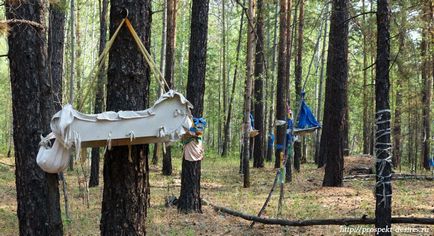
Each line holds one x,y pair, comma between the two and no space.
305,198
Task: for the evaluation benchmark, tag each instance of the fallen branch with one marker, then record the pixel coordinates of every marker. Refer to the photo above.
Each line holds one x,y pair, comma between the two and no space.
341,221
394,177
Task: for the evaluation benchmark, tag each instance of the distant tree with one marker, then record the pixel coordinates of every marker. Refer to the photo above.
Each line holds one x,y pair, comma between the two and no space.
335,105
320,86
383,190
170,68
258,154
403,76
33,105
189,199
125,196
227,124
99,96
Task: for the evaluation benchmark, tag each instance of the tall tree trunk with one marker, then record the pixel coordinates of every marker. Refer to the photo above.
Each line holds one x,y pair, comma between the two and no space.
427,80
366,126
223,89
298,79
32,104
56,41
170,69
319,162
99,96
248,91
335,106
189,199
71,63
272,79
289,41
125,196
227,125
383,191
78,53
281,85
397,135
258,154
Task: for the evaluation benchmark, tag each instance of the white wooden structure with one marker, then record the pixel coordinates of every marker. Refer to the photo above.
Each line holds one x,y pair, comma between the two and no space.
166,121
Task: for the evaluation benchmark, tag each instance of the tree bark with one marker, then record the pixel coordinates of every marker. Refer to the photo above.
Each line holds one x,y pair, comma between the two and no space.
281,85
189,199
99,96
383,190
289,42
248,91
32,104
56,41
298,78
272,79
335,106
170,69
258,154
72,64
125,196
427,85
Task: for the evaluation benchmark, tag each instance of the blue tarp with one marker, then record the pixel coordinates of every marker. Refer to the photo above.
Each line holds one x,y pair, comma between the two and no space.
306,119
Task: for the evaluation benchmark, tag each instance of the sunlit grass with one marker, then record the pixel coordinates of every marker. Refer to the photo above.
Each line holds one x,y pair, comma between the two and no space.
304,198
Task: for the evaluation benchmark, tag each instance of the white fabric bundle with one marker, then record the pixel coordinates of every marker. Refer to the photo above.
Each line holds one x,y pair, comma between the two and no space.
55,159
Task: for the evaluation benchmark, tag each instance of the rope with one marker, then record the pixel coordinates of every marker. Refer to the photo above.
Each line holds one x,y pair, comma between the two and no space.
383,181
102,57
100,62
146,55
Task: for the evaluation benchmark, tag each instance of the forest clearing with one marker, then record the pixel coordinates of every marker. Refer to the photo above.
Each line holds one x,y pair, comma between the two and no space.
305,199
216,117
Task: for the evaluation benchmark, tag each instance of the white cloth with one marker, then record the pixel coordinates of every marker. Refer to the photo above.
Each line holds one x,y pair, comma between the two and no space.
55,159
193,151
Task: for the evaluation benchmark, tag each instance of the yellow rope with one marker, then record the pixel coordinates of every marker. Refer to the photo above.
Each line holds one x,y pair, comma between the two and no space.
100,62
146,55
102,57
